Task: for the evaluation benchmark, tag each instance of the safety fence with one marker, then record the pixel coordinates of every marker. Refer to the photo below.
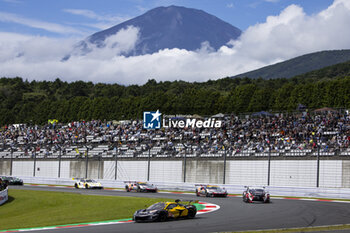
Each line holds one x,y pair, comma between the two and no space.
269,170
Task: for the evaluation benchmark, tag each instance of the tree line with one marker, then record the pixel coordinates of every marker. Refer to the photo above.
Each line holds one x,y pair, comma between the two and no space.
37,101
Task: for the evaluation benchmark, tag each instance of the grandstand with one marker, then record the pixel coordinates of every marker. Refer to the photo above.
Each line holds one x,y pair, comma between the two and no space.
289,136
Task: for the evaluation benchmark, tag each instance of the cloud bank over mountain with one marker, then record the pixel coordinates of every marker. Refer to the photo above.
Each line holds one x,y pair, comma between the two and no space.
280,37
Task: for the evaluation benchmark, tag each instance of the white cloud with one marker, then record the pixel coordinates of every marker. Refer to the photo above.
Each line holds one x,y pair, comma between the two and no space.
289,34
12,1
51,27
104,21
230,5
120,43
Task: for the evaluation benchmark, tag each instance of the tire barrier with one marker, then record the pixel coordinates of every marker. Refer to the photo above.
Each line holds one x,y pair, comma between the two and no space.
3,196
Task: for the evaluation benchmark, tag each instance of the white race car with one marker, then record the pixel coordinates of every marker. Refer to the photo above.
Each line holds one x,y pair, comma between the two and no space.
88,184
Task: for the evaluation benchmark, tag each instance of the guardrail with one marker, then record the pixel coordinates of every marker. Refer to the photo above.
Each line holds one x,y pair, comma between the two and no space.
3,196
342,193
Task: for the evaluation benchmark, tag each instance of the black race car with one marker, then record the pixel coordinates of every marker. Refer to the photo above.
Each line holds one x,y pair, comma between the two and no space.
10,180
256,194
140,187
210,191
162,211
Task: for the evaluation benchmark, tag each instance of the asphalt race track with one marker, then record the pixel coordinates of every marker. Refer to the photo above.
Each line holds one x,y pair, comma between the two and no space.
233,215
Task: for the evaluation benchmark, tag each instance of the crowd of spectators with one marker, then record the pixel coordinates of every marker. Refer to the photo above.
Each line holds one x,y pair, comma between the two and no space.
328,131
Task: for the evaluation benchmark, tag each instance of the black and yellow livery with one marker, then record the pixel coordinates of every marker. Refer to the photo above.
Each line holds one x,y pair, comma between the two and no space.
162,211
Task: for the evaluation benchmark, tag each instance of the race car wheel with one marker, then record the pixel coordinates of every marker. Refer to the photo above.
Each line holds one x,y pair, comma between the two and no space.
162,217
76,186
127,189
191,213
197,194
86,186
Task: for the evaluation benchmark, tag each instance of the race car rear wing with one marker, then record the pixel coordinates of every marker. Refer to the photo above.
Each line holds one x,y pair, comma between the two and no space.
184,200
132,182
202,185
78,178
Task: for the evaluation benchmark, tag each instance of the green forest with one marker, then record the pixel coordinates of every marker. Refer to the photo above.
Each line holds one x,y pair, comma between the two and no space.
37,101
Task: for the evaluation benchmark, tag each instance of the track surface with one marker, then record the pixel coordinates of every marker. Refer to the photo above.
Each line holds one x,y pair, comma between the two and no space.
233,215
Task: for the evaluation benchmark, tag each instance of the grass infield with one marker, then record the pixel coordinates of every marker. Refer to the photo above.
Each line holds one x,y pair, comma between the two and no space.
26,208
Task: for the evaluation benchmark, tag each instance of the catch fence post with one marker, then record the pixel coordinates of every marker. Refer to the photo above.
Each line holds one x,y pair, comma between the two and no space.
34,162
269,167
185,164
318,166
11,161
149,162
224,178
86,162
116,164
59,162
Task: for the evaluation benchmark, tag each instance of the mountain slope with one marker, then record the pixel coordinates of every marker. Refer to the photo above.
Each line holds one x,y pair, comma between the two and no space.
172,27
300,65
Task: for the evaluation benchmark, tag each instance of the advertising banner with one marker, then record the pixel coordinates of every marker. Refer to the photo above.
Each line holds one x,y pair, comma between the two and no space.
3,196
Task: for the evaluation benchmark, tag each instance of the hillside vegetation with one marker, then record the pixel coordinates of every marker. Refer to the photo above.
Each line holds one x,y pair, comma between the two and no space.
36,102
300,65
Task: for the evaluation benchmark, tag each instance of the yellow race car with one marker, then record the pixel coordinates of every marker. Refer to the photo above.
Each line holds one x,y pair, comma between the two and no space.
87,184
162,211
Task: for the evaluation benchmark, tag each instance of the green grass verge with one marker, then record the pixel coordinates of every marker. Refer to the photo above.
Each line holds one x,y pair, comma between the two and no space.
27,208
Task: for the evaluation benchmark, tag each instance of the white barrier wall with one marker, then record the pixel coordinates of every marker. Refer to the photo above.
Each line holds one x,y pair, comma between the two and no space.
244,172
46,168
132,170
345,174
166,171
109,170
65,169
23,168
331,173
295,173
284,173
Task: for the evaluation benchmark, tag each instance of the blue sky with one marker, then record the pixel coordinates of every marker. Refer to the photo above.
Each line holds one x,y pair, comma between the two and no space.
66,18
36,34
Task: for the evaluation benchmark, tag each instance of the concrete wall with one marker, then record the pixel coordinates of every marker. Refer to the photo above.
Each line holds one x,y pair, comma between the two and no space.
284,173
204,171
5,167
